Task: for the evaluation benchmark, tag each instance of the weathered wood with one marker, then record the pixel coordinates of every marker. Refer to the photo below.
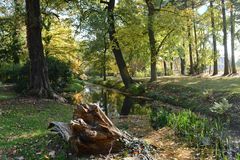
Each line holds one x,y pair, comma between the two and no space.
90,131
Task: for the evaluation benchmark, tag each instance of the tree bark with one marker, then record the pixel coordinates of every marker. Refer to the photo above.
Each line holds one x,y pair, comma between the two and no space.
182,61
195,40
226,62
39,82
127,80
165,68
215,60
232,21
152,41
191,71
105,60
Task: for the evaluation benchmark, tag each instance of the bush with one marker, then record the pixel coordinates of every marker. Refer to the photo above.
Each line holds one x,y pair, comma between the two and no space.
59,73
221,107
9,73
74,86
137,88
159,118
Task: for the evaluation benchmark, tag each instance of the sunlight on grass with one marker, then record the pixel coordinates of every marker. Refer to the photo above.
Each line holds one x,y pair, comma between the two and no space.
20,123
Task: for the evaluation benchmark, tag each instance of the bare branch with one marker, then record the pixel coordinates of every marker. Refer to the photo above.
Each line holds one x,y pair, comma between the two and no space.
105,2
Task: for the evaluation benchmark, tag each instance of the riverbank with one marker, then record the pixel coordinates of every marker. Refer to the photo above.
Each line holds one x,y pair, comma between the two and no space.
24,133
198,94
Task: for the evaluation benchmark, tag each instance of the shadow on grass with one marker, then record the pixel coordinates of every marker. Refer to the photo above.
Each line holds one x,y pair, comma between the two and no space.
24,130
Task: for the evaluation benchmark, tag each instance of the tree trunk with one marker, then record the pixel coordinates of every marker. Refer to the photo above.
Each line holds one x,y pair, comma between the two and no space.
182,61
195,41
127,106
105,60
190,51
152,41
232,20
226,62
215,59
90,131
165,68
39,82
127,80
191,71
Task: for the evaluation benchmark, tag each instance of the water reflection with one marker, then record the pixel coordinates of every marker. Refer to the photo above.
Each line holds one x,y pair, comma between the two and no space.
113,103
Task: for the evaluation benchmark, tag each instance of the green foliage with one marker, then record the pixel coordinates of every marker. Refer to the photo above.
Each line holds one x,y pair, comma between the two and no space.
9,72
59,72
74,85
159,118
221,107
137,88
197,131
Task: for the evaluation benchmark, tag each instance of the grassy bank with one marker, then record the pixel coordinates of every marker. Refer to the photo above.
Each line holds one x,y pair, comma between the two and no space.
24,129
195,93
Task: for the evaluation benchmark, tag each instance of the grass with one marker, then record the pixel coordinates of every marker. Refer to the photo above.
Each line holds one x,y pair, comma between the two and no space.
24,129
5,93
199,132
197,94
220,84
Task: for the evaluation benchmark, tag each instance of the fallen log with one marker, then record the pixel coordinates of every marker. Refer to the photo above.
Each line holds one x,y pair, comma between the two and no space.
91,131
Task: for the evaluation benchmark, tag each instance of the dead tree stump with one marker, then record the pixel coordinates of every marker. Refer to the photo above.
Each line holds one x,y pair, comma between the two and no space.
90,131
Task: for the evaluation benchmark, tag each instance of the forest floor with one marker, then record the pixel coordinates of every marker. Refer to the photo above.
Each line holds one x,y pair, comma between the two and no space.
24,134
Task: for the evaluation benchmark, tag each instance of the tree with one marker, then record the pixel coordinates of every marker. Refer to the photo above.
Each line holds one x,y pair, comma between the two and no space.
226,63
215,61
232,21
127,80
39,82
152,41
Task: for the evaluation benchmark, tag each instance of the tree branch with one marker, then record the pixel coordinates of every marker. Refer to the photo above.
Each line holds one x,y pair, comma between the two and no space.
105,2
164,39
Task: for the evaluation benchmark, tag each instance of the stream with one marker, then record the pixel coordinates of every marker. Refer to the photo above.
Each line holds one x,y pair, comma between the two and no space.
128,112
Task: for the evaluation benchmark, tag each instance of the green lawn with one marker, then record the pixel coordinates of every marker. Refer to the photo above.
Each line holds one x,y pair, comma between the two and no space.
197,94
24,129
225,84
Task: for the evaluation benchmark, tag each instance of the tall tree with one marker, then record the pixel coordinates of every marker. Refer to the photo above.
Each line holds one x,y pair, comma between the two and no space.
127,80
16,51
232,21
39,82
226,62
191,70
215,61
195,38
152,41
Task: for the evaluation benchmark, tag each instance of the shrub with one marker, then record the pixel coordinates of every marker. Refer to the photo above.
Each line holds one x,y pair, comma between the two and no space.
59,73
9,73
159,118
199,132
74,85
221,107
137,88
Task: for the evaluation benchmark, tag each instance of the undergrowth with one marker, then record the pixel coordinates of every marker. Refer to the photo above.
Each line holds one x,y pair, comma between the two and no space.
198,131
